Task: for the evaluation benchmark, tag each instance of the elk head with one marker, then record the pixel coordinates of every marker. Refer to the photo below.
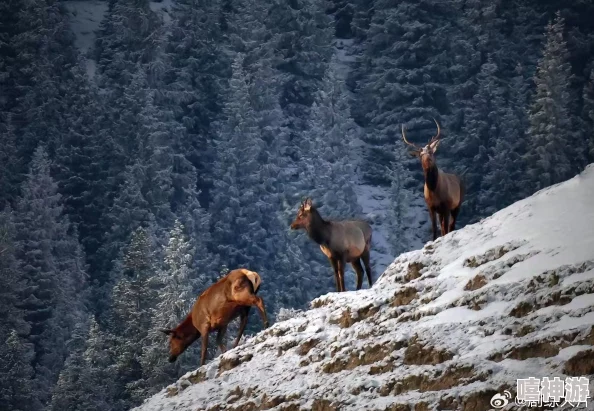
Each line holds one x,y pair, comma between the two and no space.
177,343
427,153
303,215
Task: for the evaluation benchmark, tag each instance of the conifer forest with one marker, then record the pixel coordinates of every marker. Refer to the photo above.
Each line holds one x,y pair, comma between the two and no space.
145,156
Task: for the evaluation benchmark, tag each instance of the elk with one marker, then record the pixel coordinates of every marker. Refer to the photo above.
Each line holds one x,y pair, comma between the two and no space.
215,308
444,193
341,241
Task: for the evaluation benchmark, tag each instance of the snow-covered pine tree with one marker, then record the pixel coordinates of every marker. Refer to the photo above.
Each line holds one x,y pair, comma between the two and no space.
50,260
100,389
126,38
16,355
588,97
555,152
129,211
68,394
300,36
399,201
133,298
9,176
234,196
481,129
18,390
502,184
176,295
197,80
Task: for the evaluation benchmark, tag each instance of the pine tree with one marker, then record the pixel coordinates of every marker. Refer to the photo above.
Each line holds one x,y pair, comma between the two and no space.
101,390
196,83
133,298
17,391
69,390
176,297
236,170
588,97
50,261
399,200
127,38
554,154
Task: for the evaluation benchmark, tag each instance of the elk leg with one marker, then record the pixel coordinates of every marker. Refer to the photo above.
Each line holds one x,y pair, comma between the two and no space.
204,347
359,271
334,263
433,223
442,224
341,264
220,337
365,258
455,212
244,318
445,222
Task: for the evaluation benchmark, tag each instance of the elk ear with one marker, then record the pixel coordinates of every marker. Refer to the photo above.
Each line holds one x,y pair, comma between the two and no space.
307,204
166,331
414,153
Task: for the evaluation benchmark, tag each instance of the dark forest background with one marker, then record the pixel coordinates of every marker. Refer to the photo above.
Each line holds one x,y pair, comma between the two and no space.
126,191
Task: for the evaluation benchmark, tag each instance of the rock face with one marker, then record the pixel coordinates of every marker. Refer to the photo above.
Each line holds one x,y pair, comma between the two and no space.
444,327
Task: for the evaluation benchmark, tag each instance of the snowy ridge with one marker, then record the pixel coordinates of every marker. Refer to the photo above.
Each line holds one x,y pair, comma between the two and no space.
444,327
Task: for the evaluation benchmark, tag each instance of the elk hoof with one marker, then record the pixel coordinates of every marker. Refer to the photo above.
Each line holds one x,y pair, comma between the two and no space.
266,324
172,358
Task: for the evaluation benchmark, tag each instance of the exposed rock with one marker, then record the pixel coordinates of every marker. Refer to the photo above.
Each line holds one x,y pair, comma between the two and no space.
414,271
477,282
404,297
580,364
369,355
422,355
307,345
229,362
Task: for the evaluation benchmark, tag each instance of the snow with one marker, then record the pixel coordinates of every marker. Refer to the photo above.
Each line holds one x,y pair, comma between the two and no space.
85,18
366,354
163,8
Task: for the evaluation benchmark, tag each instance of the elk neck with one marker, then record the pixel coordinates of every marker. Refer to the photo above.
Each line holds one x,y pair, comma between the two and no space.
431,176
187,330
318,229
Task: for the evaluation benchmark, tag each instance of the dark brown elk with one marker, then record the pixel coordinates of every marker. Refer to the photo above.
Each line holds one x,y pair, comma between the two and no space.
341,241
215,308
444,193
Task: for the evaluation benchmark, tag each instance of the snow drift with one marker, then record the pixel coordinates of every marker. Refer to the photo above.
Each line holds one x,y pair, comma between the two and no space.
444,327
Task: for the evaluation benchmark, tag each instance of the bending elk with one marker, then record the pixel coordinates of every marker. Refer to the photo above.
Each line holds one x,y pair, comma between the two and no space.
217,306
444,192
341,241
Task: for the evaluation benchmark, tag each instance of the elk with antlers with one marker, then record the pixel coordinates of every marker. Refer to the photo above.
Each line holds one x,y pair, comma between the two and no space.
215,308
444,192
341,241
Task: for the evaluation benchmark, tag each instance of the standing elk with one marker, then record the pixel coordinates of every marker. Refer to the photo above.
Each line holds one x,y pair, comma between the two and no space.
341,241
444,192
215,308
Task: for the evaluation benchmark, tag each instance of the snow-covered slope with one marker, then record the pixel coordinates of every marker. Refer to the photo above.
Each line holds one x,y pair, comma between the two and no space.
444,327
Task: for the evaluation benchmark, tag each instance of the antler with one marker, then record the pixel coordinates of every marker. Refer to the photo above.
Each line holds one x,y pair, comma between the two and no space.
407,142
435,137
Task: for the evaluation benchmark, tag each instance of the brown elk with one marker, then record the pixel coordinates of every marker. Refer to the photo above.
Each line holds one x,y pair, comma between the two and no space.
444,193
341,241
215,308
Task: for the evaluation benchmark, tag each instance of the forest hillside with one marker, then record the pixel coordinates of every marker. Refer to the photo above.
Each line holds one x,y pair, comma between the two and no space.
445,327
